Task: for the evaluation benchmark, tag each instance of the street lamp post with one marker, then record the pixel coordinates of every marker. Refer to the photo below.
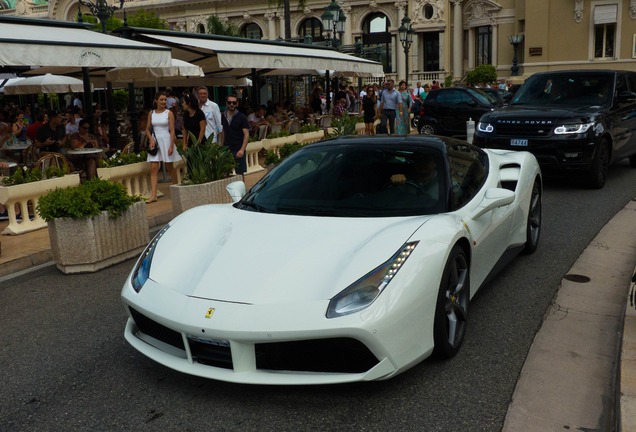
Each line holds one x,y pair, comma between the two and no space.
405,33
101,10
333,20
515,41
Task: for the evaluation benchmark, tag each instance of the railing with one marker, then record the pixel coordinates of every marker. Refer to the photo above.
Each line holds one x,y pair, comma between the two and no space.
26,197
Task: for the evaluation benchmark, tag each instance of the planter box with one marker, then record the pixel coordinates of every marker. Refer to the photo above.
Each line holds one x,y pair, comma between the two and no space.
185,197
89,245
27,196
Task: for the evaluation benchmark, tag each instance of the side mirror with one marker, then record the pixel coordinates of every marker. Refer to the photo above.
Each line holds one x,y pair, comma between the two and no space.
494,198
626,96
236,190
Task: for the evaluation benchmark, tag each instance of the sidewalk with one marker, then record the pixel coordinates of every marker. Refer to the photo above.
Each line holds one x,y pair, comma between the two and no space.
22,252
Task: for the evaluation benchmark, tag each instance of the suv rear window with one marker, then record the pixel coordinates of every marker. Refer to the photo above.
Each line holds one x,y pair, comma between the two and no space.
561,89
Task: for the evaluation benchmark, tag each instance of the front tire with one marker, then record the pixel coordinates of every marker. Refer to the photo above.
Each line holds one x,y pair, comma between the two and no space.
451,313
428,129
533,224
600,166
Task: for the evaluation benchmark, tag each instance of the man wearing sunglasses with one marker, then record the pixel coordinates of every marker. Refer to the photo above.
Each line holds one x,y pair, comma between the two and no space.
236,133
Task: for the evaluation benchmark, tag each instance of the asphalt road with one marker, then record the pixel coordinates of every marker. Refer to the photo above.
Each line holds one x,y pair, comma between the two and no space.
66,366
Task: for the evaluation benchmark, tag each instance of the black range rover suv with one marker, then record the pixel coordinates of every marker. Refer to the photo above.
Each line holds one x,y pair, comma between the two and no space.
579,121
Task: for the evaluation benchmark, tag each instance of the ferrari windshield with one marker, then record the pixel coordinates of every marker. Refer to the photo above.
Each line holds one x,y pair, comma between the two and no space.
354,180
589,89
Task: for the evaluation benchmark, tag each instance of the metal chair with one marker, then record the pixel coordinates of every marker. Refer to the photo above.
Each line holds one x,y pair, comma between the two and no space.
52,159
325,121
294,127
275,128
128,148
261,132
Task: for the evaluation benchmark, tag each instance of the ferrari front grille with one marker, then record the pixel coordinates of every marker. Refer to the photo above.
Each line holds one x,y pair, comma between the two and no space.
156,330
339,355
211,354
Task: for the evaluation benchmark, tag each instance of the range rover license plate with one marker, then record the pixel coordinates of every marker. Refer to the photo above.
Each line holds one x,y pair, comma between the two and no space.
519,142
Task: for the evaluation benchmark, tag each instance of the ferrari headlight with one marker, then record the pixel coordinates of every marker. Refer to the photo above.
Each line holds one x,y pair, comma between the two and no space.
573,128
141,272
365,290
485,127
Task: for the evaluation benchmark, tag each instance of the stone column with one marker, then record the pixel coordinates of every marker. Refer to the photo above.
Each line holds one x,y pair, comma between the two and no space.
495,44
271,25
471,49
347,36
458,33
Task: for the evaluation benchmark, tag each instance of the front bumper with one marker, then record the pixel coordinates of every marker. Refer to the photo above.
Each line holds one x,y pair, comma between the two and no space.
554,153
258,345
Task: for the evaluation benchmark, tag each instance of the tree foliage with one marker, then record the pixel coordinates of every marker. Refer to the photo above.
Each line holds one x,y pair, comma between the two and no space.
147,19
484,73
218,27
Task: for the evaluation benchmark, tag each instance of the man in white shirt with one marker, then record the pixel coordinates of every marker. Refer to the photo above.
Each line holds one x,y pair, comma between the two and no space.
213,125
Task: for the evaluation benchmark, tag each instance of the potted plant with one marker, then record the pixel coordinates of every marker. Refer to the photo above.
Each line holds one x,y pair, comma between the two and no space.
94,225
209,169
23,189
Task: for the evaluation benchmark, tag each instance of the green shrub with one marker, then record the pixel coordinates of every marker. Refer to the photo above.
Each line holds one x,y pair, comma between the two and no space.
279,134
119,159
309,128
26,175
345,125
271,157
85,201
484,73
206,162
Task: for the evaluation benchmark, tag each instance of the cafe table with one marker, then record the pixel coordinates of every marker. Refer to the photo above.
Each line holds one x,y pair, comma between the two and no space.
17,146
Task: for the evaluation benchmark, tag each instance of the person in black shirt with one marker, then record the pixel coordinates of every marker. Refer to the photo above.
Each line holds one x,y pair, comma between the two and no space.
236,133
193,120
51,136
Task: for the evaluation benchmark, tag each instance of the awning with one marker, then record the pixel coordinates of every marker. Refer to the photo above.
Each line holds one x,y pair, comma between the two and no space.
221,54
40,42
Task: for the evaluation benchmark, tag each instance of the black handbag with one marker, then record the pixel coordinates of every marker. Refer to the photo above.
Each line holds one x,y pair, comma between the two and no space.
155,150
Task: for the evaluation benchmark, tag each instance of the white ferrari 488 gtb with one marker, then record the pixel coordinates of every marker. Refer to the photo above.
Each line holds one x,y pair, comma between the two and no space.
352,260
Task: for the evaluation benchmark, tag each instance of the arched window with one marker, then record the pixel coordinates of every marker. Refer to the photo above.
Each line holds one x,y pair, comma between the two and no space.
376,39
200,28
252,31
311,27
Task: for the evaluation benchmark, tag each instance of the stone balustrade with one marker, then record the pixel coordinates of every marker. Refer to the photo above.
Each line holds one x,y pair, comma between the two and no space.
26,196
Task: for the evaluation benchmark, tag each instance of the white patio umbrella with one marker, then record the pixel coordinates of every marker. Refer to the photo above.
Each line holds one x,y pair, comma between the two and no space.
45,84
179,68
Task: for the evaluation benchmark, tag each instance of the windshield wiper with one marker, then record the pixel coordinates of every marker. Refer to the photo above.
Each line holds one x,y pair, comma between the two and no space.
254,206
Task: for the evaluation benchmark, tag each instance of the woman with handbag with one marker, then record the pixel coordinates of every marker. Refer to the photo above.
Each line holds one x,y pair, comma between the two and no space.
161,142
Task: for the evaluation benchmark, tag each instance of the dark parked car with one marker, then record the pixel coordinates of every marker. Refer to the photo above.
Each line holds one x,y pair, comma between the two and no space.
501,96
575,121
445,111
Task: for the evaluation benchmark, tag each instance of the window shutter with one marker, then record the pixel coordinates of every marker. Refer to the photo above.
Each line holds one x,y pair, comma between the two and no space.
605,14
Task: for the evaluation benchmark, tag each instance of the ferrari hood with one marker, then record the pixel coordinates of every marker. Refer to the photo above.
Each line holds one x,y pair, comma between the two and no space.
220,253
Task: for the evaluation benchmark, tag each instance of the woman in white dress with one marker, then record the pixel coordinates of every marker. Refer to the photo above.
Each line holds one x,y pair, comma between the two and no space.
162,121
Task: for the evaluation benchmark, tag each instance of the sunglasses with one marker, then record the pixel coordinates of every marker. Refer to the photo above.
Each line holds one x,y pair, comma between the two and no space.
232,102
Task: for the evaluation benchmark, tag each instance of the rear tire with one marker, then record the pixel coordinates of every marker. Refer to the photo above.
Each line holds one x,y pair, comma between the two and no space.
600,166
428,129
533,224
451,312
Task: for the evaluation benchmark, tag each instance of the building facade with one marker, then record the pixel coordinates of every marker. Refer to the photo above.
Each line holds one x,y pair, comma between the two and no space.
451,37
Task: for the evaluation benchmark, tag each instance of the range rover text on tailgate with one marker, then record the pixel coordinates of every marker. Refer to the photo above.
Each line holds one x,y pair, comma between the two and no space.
579,121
